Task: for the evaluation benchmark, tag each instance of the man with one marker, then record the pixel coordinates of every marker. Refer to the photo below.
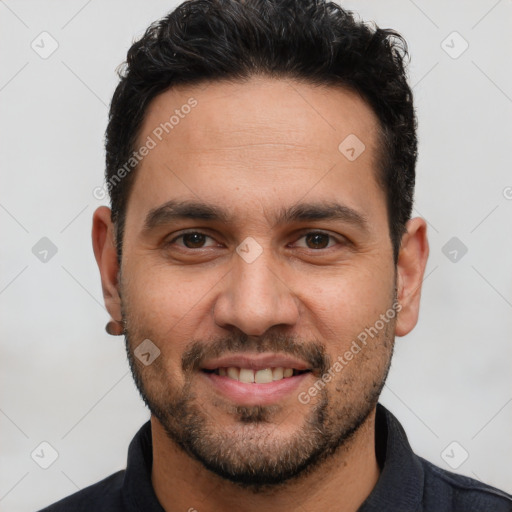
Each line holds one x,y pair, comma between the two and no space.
260,259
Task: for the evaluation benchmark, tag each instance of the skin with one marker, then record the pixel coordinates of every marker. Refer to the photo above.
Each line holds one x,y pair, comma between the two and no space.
254,148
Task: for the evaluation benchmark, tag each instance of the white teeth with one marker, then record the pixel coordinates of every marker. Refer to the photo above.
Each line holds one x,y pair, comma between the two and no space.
248,375
233,372
263,376
277,373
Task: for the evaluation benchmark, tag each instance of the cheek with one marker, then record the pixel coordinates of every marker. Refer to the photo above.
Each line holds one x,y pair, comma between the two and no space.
154,311
167,296
342,305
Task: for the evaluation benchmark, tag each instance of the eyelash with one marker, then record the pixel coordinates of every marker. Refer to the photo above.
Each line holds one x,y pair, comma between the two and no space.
331,237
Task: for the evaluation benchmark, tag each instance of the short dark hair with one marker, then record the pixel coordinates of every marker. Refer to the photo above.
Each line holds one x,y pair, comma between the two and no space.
312,41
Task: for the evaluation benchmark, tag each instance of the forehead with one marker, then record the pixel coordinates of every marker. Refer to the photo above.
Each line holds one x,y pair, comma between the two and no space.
257,111
261,142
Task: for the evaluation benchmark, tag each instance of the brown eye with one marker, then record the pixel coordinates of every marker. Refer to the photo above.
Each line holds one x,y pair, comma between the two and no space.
193,240
317,240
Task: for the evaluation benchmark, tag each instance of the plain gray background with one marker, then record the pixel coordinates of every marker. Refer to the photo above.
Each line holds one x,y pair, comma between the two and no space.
66,382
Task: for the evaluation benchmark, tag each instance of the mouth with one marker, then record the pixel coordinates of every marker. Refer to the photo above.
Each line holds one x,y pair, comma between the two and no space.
255,379
250,376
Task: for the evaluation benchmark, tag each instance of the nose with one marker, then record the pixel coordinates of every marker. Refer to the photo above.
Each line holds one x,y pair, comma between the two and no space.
255,298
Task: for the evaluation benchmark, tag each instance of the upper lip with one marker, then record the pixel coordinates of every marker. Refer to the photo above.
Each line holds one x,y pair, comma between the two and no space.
255,362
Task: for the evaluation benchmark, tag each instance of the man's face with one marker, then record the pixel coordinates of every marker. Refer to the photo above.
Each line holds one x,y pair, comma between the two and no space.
265,279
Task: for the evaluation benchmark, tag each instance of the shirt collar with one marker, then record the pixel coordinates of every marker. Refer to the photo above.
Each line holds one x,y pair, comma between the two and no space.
138,493
399,487
400,484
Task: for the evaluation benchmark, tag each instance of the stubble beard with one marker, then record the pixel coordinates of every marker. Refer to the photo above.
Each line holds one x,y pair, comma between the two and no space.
252,452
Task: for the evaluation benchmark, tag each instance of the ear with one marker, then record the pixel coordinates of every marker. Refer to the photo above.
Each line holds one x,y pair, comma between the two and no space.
412,260
103,242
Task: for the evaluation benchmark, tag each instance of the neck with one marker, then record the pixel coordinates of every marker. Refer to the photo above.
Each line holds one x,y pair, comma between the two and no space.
342,482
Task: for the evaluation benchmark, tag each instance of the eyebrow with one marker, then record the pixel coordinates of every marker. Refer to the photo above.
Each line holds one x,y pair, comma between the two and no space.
176,210
330,210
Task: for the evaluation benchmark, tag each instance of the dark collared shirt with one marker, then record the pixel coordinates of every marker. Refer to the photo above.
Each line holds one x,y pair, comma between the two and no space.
407,482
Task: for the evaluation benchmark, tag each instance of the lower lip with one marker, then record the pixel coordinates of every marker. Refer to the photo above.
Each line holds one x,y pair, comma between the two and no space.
255,394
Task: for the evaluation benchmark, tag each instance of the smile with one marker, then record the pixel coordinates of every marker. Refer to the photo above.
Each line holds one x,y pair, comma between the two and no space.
263,376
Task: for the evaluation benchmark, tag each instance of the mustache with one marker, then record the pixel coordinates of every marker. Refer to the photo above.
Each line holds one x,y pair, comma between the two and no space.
312,352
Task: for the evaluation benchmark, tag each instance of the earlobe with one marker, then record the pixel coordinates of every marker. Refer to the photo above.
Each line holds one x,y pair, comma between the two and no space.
412,260
114,328
103,242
